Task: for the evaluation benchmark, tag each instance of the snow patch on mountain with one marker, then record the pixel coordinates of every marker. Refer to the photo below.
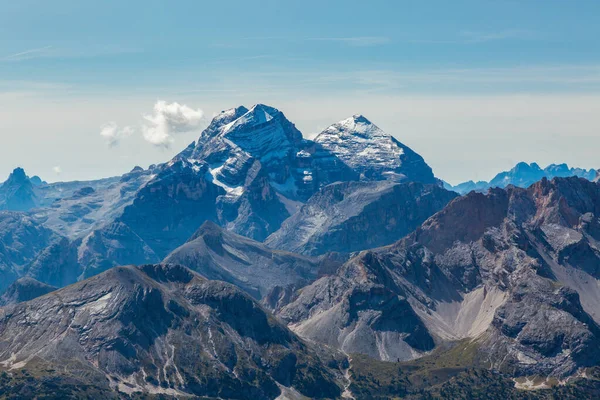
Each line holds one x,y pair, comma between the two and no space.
213,176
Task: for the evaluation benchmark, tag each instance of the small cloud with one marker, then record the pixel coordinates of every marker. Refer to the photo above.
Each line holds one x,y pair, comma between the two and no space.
113,134
168,119
57,170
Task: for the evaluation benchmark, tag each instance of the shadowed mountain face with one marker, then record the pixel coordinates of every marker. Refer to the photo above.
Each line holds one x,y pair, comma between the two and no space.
515,271
352,216
524,175
160,329
250,265
21,240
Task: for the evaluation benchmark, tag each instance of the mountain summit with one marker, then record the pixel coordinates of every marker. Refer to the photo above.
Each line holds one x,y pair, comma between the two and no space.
371,152
240,142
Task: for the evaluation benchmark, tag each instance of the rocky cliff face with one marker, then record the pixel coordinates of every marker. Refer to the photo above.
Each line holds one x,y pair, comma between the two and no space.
160,329
515,271
353,216
360,310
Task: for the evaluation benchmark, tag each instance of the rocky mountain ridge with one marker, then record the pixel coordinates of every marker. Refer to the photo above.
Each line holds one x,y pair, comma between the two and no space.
222,255
351,216
194,338
515,272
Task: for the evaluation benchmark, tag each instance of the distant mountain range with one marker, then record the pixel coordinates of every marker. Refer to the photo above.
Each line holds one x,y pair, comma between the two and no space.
524,175
257,264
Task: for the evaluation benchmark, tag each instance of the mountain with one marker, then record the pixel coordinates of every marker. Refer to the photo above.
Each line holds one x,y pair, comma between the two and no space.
222,255
351,216
469,186
158,330
512,274
22,239
24,289
22,193
372,153
37,181
524,175
249,171
17,194
238,138
74,209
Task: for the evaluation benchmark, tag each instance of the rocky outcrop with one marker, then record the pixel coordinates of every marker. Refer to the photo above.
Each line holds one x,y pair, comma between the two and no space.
360,310
352,216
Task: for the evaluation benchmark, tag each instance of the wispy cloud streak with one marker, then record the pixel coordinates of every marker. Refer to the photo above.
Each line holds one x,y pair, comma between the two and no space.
27,54
358,41
472,37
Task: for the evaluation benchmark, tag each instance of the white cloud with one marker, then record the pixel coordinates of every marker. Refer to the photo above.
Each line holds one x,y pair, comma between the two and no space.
113,134
57,170
168,119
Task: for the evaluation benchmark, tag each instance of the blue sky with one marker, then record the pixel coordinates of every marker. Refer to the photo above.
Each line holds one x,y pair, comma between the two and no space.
473,86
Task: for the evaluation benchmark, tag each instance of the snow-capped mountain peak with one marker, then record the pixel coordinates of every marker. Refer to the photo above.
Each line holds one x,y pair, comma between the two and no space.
256,116
296,167
263,133
366,148
222,119
357,126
